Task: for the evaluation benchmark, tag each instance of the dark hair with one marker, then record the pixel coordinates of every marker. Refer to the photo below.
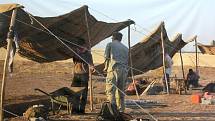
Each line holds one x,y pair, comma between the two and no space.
190,70
117,36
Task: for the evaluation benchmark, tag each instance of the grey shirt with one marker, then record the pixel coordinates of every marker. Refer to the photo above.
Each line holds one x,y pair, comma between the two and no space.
115,54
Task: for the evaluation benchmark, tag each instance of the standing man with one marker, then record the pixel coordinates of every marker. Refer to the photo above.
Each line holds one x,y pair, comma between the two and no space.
81,75
168,68
116,63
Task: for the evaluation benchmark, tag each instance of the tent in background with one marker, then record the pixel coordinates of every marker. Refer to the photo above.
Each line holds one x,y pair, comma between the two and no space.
147,54
207,49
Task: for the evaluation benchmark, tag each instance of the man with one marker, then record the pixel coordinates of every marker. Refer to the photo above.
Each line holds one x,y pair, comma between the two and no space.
168,70
81,76
116,62
192,79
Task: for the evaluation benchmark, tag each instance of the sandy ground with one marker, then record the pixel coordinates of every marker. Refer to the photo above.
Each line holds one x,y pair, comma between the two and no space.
28,75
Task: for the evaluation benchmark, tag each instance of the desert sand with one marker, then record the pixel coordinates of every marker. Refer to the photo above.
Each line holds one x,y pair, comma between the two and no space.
28,75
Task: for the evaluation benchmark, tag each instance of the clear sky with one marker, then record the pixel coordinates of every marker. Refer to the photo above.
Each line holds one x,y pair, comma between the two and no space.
189,17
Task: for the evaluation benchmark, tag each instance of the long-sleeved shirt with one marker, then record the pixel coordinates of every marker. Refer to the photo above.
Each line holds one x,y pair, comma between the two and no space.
115,54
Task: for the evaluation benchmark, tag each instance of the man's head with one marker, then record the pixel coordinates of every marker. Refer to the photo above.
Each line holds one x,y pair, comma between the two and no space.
190,70
117,36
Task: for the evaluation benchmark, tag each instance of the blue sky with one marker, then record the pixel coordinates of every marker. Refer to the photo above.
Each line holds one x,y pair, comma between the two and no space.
189,17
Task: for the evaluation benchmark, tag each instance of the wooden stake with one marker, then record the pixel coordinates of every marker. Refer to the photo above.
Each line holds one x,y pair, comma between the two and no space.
163,52
9,44
91,89
196,54
131,64
182,64
182,68
90,72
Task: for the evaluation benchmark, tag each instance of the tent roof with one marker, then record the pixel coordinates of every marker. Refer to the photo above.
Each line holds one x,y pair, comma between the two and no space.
38,45
8,7
207,49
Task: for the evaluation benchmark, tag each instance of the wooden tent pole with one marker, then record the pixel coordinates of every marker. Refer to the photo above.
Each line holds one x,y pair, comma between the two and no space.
90,71
131,64
182,68
91,89
9,44
182,64
196,54
163,52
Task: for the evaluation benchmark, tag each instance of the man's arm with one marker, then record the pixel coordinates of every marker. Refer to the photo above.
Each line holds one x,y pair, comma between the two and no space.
107,56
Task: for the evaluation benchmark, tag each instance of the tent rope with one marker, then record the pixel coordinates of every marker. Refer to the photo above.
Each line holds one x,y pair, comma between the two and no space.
135,29
35,27
88,63
10,113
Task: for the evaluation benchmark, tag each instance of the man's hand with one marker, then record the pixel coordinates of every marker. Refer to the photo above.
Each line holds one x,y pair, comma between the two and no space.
92,69
106,64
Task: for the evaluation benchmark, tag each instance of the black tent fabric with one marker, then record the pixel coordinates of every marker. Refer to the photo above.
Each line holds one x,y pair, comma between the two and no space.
37,44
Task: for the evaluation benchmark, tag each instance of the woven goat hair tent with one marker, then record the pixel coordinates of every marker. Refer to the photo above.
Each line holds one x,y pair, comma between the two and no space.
207,49
37,44
147,54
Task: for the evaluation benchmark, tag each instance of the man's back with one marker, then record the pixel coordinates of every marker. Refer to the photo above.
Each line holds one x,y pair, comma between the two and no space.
117,53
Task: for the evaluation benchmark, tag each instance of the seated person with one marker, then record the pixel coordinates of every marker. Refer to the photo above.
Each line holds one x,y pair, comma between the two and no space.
192,79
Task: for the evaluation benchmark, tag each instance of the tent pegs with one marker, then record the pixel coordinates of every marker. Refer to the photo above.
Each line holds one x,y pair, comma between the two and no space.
9,44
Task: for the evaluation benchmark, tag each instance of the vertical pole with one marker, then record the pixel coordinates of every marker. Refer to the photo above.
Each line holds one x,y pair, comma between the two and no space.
182,64
131,64
163,52
9,44
90,71
91,89
182,68
196,54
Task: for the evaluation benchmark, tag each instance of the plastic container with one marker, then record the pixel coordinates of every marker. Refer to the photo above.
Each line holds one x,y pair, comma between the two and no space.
196,99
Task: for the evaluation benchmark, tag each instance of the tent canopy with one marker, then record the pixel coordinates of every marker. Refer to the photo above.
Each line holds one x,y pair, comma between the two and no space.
36,44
